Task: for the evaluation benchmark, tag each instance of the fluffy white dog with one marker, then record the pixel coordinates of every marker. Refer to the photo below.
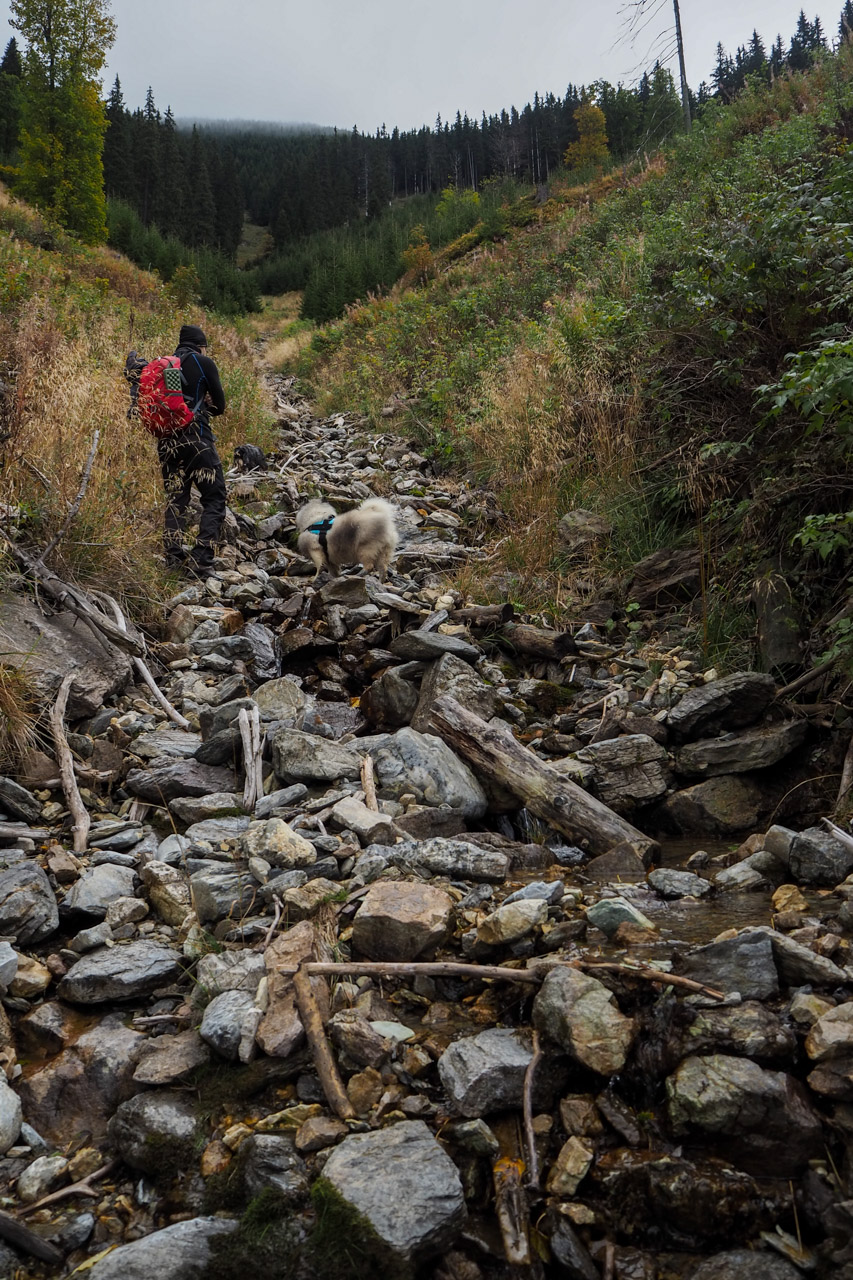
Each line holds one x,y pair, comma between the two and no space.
366,536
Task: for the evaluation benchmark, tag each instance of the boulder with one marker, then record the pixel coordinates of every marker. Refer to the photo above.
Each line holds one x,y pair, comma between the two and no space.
744,964
400,920
453,676
485,1073
422,765
28,910
629,771
155,1132
122,973
732,702
721,806
815,856
741,752
167,778
305,757
174,1253
582,1016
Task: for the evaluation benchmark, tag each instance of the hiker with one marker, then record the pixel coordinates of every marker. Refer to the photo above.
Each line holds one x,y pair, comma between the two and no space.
188,457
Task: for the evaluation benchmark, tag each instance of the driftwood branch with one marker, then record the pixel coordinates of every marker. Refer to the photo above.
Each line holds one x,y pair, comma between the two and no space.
65,761
496,973
250,734
843,836
483,615
535,642
512,1211
75,506
159,697
803,681
492,751
367,783
21,1236
315,1034
82,1188
73,599
527,1107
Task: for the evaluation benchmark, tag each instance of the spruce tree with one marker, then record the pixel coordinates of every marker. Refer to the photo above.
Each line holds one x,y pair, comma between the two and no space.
845,22
62,116
10,99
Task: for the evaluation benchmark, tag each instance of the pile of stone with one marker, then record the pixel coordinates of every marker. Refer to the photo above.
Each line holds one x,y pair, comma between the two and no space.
678,1039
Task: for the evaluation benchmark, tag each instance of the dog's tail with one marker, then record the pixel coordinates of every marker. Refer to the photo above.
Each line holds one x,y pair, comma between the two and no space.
380,506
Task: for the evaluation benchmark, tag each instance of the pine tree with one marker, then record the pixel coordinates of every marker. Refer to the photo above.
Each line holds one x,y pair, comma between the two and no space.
201,224
62,116
845,22
10,99
591,146
118,165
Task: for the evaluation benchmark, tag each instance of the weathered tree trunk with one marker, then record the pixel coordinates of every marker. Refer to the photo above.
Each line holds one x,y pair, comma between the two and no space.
483,615
491,749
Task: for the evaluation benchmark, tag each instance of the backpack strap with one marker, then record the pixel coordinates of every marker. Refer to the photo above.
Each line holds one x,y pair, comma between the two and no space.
202,382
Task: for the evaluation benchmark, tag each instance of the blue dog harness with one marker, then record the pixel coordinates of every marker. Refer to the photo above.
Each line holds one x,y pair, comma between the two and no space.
321,528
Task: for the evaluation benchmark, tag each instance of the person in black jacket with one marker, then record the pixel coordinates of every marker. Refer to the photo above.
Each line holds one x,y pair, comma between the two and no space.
189,458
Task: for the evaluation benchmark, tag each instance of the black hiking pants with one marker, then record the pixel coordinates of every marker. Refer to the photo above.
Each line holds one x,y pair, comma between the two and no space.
189,458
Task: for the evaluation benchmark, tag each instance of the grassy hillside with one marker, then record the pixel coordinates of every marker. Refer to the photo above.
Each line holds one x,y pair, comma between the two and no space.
68,316
674,354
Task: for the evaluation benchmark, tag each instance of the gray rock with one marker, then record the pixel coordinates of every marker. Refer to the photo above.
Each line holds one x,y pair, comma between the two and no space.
578,529
778,841
422,765
155,1131
8,964
275,842
456,859
370,826
166,742
670,883
264,663
815,856
582,1016
551,891
28,910
97,935
747,1264
512,921
217,831
390,701
97,887
51,647
720,806
229,1025
38,1177
399,920
229,971
741,752
274,805
424,646
214,720
402,1181
167,1059
748,1029
485,1073
180,1252
453,676
166,779
630,770
740,877
608,913
767,1112
305,757
744,964
269,1161
122,973
11,1114
569,1250
798,965
19,802
283,701
733,702
218,896
218,806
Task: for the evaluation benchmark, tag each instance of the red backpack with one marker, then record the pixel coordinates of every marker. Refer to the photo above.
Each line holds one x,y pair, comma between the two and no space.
162,407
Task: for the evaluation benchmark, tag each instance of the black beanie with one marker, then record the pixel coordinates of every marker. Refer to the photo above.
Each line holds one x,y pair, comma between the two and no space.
192,335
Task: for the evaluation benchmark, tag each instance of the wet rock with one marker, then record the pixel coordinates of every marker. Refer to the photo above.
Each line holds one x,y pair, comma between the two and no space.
28,910
304,757
732,702
79,1089
401,1180
485,1073
682,1203
569,1250
582,1016
631,770
670,883
609,913
720,806
229,1025
832,1034
167,778
122,973
421,765
399,920
570,1167
174,1253
621,864
269,1162
744,964
350,1031
815,856
741,752
511,921
749,1029
765,1111
97,888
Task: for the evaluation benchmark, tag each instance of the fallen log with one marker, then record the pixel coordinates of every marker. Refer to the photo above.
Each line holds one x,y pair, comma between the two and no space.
484,615
536,642
491,750
22,1238
315,1034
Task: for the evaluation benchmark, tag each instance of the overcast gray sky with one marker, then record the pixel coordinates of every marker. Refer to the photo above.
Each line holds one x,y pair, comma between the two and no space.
369,62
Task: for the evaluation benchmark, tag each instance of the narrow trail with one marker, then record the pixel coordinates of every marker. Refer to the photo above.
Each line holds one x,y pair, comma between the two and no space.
535,1045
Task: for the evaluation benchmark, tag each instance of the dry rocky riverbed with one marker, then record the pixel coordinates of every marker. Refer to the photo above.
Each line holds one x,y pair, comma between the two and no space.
657,1081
